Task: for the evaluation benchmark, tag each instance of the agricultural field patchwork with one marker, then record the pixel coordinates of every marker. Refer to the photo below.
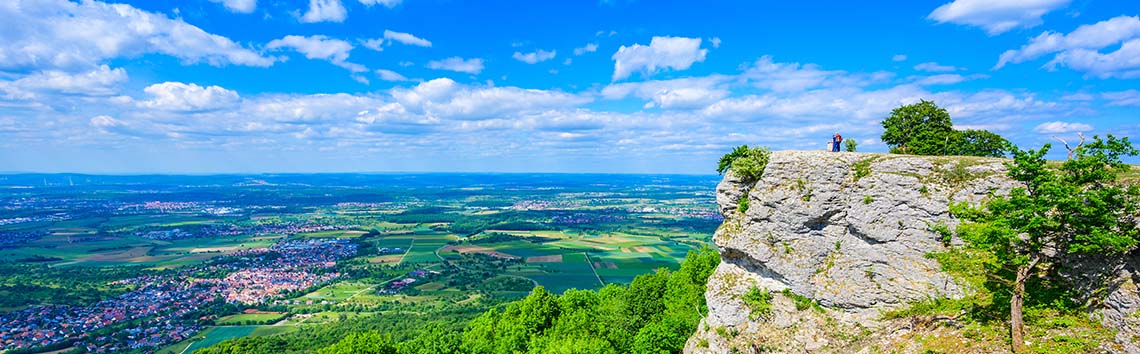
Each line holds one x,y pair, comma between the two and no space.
309,250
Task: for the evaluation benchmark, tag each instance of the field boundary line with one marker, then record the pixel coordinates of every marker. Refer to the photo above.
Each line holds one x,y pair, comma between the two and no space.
187,347
358,292
413,244
591,263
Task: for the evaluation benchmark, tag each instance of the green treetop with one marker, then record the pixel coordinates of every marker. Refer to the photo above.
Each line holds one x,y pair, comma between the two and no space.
921,129
1076,209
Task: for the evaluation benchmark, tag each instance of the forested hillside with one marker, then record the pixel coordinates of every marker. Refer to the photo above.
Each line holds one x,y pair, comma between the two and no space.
656,313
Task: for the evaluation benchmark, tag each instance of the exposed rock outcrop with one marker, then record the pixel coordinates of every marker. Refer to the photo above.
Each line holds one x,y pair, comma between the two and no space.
851,232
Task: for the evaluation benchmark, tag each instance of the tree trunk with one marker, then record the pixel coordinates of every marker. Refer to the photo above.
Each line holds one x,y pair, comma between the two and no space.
1016,324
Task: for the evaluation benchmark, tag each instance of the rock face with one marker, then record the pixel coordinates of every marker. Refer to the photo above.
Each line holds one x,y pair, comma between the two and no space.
1117,280
849,231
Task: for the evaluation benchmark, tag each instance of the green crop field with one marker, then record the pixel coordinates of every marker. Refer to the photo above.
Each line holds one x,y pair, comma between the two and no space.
572,272
263,331
337,292
208,337
326,317
426,243
334,234
394,241
255,317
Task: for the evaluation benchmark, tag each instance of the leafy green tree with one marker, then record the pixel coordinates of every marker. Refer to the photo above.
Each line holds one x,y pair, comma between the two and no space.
435,339
619,328
746,162
978,143
921,129
575,345
850,144
481,333
511,330
726,161
644,297
1076,209
578,329
662,337
371,342
685,290
537,311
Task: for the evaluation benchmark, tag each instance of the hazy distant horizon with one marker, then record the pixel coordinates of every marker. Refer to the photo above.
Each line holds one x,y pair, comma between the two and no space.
129,174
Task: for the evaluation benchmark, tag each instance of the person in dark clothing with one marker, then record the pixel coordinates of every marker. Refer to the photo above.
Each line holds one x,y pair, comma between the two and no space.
835,140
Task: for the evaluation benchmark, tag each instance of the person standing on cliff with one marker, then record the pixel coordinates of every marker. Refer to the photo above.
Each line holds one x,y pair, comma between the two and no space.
835,140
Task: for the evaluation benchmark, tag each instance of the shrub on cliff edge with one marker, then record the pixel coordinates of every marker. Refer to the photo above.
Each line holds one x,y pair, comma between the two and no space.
746,162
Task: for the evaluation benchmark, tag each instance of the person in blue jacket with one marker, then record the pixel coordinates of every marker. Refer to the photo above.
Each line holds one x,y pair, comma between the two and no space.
835,140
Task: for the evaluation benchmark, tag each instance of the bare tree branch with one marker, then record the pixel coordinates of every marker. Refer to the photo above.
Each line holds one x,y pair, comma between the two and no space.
1072,149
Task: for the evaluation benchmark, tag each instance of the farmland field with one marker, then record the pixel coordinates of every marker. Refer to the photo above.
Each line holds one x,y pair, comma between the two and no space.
209,337
250,317
451,245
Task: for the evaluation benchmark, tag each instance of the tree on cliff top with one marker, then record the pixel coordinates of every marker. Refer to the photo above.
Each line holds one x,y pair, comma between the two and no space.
924,128
1079,208
747,163
973,142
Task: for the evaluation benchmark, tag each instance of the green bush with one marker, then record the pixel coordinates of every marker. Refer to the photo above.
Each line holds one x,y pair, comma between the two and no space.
746,162
943,231
802,302
862,168
742,205
759,300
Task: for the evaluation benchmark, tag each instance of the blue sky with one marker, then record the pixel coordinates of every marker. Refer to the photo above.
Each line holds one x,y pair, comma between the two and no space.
220,86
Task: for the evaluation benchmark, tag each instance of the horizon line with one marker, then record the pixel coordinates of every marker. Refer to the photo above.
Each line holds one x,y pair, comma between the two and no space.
204,174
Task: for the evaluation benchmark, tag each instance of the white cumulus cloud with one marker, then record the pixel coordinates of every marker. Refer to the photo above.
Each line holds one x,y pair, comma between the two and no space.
1080,49
446,98
101,81
373,44
319,47
457,64
996,16
899,57
946,79
1061,127
588,48
389,75
386,3
534,57
105,121
239,6
177,96
684,93
1122,98
406,38
324,10
45,35
676,53
934,67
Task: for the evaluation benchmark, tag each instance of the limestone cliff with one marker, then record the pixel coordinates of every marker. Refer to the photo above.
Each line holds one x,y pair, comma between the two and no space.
850,232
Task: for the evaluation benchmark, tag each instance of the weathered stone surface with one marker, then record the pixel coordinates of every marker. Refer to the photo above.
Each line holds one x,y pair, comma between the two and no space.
852,232
729,191
850,242
1116,279
1121,309
845,229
